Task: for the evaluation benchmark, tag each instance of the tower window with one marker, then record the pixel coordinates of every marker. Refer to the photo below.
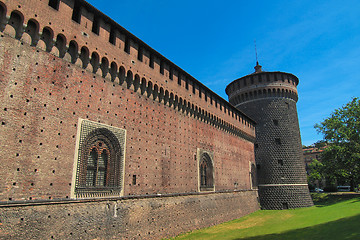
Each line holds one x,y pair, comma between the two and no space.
278,141
276,122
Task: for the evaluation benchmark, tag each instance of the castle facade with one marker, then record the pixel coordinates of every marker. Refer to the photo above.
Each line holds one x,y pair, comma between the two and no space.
103,137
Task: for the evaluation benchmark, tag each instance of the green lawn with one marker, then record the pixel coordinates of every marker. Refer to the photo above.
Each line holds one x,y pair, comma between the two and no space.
333,217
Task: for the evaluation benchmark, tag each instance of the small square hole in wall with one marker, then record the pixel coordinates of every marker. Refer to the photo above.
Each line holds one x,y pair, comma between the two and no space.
276,122
278,141
256,145
281,162
285,205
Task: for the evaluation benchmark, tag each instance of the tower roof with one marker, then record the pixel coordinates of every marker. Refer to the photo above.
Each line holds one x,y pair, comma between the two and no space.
258,67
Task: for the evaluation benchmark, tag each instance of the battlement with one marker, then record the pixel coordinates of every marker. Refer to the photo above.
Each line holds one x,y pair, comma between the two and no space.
82,35
263,85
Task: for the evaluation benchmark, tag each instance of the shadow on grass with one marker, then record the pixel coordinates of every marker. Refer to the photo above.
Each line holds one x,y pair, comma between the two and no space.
345,228
324,199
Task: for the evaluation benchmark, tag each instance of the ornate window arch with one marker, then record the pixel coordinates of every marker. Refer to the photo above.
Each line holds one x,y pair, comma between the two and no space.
99,161
206,171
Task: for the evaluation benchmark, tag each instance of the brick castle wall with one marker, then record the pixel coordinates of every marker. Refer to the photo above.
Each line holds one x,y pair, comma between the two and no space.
148,218
55,71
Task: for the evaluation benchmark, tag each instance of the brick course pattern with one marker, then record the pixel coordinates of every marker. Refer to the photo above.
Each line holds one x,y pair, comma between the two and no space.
146,218
270,98
61,61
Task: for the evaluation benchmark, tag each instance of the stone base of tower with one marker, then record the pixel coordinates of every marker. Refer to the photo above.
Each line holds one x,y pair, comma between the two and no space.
277,197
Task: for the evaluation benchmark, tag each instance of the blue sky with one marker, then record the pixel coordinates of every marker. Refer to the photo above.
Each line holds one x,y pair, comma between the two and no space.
318,41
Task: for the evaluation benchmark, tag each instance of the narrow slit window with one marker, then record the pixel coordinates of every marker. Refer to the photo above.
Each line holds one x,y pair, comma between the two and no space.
54,4
171,74
76,15
127,45
151,62
112,37
134,180
162,67
96,25
140,54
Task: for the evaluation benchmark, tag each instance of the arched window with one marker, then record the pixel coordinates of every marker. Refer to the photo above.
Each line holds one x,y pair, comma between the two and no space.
100,161
97,165
206,172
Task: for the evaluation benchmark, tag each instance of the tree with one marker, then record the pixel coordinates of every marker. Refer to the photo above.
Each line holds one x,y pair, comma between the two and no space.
315,171
320,144
341,159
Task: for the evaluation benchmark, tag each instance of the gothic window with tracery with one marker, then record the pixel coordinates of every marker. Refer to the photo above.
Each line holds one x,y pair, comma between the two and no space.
206,173
100,164
97,165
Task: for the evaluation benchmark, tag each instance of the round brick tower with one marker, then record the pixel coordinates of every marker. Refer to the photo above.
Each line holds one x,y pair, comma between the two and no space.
270,99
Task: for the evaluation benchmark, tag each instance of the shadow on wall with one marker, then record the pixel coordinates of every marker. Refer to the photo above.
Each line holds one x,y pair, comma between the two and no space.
346,228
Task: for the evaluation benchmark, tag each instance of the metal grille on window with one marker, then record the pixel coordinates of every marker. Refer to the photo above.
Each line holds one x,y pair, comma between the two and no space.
100,161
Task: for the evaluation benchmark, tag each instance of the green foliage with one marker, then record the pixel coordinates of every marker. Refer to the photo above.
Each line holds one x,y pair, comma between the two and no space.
320,144
341,159
333,217
315,170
